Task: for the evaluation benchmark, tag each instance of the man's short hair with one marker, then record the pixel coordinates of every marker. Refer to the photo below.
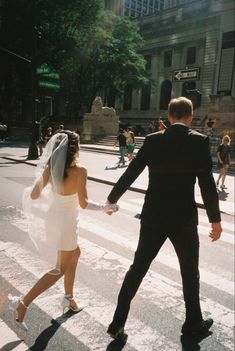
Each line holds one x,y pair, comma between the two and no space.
180,108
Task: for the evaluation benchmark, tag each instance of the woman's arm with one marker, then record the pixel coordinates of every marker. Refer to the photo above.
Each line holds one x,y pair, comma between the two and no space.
40,184
83,197
218,155
82,187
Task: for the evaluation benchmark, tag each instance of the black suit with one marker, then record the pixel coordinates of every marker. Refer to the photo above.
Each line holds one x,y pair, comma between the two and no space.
175,158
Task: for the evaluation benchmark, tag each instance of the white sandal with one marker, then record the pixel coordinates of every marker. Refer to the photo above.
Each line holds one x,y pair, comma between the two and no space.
14,302
66,304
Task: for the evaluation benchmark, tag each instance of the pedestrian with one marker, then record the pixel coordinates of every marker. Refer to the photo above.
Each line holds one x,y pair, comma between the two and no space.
130,145
175,157
121,141
60,129
41,144
3,131
210,125
59,187
48,135
162,125
224,159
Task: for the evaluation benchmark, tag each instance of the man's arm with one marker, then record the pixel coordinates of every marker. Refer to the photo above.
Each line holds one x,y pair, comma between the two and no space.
209,192
134,169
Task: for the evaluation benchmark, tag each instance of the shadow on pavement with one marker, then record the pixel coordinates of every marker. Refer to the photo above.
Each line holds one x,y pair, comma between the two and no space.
222,195
11,345
116,345
43,339
192,343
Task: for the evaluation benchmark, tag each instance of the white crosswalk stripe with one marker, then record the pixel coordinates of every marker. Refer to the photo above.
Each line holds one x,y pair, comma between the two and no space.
163,293
203,220
98,308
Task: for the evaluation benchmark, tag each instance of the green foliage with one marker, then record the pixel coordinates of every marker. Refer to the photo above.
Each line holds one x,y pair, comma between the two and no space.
94,51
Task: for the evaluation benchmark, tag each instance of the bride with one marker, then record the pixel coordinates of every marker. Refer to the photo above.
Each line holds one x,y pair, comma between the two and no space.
51,207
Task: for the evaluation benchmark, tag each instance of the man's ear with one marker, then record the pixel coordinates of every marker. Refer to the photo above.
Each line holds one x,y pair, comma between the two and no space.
170,119
190,119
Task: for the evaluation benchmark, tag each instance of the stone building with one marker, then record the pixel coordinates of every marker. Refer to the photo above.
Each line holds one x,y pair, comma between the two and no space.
189,50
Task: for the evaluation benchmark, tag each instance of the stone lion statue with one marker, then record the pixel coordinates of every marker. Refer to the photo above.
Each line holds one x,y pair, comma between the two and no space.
97,105
98,108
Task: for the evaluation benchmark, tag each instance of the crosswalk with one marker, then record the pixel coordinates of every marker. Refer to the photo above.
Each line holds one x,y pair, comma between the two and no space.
107,248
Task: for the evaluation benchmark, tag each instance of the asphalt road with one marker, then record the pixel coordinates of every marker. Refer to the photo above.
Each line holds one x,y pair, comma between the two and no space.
108,244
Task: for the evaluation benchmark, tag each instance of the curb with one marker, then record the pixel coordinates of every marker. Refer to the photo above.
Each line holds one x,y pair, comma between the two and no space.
103,181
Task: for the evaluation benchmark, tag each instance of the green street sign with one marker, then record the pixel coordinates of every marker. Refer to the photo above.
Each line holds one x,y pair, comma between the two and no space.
47,78
48,85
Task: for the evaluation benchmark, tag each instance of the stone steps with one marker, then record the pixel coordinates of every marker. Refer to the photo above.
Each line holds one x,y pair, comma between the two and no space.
110,140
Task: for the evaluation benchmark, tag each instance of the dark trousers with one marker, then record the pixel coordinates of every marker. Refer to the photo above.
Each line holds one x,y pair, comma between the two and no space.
186,245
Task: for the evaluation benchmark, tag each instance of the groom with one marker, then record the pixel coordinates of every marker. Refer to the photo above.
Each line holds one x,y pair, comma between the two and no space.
175,158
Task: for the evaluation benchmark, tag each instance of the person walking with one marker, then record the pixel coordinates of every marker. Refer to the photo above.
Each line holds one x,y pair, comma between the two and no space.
224,159
162,125
48,135
130,141
53,200
175,157
121,141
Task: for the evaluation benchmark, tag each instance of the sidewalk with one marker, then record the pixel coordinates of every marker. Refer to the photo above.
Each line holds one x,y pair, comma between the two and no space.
102,167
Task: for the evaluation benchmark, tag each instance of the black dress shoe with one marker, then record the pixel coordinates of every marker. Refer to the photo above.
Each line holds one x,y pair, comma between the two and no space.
118,335
201,328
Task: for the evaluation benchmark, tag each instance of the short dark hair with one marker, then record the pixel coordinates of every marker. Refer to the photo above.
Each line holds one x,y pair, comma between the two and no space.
180,107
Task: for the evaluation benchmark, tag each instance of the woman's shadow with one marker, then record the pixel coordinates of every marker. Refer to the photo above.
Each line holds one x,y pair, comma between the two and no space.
43,339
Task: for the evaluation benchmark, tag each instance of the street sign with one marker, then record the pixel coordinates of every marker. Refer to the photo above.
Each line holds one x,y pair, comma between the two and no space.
186,74
47,78
48,85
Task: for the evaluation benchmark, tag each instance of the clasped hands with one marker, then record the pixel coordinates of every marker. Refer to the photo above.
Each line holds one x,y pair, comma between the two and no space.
110,208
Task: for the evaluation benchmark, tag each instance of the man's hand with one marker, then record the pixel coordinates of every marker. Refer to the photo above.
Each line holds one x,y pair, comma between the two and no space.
110,212
216,231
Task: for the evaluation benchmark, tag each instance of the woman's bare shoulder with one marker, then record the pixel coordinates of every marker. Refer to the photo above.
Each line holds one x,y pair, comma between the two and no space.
80,169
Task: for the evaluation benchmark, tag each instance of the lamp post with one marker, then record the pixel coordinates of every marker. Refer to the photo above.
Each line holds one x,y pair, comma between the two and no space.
34,137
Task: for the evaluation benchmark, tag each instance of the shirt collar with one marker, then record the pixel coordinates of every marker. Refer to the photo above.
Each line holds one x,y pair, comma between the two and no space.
180,123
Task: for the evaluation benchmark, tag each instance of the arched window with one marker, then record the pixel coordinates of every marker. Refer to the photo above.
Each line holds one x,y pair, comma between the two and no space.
165,94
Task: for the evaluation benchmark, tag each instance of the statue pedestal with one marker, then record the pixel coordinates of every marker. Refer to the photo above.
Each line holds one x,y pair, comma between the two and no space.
97,125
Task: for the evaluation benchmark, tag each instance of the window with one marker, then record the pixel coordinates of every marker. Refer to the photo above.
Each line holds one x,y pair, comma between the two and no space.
127,98
226,71
191,55
168,58
145,97
165,94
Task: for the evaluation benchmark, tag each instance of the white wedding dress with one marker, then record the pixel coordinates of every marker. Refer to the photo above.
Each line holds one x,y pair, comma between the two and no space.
62,222
52,221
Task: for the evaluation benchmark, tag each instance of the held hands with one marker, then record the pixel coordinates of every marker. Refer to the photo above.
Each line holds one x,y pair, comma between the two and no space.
216,231
110,208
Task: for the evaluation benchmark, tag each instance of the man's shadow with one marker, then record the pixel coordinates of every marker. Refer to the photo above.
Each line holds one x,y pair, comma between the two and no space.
116,345
191,343
43,339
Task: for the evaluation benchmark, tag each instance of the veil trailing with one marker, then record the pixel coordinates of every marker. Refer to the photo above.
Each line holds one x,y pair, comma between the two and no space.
43,215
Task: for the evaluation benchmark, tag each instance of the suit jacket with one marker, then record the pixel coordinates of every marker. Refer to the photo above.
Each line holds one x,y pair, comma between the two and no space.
175,157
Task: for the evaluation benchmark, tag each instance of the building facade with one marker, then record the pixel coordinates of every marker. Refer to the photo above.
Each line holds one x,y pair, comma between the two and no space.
189,50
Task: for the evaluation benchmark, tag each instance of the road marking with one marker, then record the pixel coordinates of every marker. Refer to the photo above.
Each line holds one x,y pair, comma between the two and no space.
98,312
226,237
160,291
108,232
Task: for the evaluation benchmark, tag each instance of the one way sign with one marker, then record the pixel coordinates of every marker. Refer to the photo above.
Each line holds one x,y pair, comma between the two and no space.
186,74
